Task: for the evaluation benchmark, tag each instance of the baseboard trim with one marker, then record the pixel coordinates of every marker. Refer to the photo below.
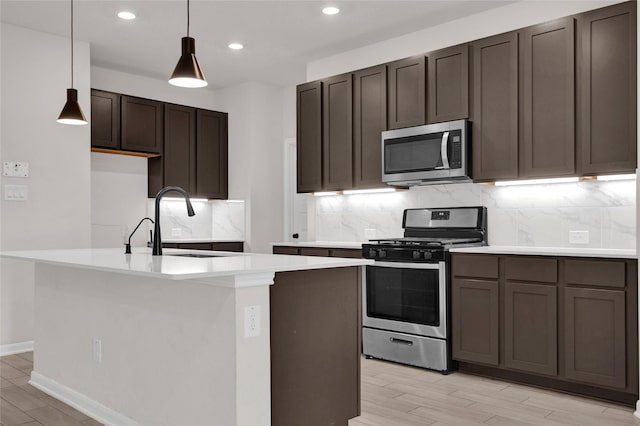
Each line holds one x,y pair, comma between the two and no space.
80,402
16,348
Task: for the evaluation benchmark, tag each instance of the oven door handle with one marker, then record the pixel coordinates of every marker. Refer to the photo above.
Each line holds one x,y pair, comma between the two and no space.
416,265
400,341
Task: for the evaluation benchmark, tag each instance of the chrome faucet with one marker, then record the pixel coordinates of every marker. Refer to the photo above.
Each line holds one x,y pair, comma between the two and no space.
157,242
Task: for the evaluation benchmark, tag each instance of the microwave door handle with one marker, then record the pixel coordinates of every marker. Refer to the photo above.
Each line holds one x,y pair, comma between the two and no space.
444,147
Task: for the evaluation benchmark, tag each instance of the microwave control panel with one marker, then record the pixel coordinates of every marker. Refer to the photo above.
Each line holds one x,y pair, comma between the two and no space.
455,148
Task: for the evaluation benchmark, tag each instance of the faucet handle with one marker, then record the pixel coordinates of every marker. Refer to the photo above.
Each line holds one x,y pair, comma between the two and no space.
127,248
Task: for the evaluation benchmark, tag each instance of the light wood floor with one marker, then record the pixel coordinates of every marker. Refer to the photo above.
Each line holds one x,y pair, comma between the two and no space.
392,395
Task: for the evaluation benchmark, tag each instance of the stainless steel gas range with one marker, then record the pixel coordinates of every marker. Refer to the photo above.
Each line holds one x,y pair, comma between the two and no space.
406,292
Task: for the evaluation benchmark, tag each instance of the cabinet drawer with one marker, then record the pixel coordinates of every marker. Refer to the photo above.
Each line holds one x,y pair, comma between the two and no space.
531,269
312,251
604,273
475,265
352,253
286,250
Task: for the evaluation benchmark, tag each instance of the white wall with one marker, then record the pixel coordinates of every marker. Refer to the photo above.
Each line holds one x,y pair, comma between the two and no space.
256,160
35,75
495,21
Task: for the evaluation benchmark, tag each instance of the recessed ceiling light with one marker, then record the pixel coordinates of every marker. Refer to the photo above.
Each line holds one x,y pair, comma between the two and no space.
235,46
126,15
330,10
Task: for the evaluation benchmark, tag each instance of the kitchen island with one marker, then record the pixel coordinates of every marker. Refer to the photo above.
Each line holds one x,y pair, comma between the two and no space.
233,339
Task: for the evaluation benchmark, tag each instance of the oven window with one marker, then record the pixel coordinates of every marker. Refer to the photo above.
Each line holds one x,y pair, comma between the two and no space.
403,294
413,153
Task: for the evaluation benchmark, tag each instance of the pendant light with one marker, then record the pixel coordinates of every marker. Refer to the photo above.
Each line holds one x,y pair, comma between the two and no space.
71,112
188,72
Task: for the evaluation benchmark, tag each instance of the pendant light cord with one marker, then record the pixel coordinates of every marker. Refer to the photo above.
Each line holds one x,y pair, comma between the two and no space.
187,18
72,44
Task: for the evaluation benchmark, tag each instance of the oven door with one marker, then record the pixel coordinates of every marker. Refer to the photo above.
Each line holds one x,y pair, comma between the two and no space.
406,297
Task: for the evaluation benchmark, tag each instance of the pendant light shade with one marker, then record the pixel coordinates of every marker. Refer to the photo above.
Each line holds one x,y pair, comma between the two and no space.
188,72
71,112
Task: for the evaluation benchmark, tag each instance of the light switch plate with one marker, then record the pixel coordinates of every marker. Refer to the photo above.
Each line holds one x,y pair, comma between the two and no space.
16,192
578,237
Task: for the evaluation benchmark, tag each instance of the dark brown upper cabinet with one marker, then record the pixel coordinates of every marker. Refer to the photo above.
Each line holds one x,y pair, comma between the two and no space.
105,119
547,78
309,136
607,65
495,108
337,132
211,154
179,142
406,92
142,125
448,89
369,120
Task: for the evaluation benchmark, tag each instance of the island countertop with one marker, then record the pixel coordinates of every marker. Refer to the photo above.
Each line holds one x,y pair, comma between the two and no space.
169,266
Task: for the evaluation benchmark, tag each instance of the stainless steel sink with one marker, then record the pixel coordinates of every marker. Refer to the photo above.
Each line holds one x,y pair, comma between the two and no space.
198,255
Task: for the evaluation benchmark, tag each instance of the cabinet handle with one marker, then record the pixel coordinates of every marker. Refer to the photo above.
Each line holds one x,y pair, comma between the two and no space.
401,341
444,147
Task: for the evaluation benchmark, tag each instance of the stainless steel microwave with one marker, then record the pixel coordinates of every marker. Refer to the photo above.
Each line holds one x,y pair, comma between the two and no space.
430,154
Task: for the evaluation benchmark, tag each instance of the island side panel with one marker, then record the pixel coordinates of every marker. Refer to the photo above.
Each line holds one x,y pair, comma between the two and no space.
169,348
315,346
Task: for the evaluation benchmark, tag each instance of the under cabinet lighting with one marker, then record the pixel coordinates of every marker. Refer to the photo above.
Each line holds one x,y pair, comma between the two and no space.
325,193
127,16
368,191
537,181
630,176
331,10
235,46
193,200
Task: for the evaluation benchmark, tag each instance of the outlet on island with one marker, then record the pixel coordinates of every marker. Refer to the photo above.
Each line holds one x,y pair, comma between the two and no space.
252,321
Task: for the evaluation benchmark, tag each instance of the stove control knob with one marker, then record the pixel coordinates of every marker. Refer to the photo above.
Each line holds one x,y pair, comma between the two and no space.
416,254
428,255
372,252
382,253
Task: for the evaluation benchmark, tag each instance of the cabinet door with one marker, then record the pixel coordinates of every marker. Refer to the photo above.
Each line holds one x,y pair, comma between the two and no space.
105,119
337,132
211,155
607,60
595,332
370,119
548,111
141,125
474,312
309,136
448,78
530,328
407,92
179,146
495,107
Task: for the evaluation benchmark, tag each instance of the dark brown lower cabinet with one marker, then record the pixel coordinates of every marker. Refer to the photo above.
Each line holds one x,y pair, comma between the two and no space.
559,322
315,346
319,251
475,320
530,328
595,336
237,246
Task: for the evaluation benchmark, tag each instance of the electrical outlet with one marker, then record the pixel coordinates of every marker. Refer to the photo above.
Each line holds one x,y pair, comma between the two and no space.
369,233
97,351
578,237
176,232
251,321
15,169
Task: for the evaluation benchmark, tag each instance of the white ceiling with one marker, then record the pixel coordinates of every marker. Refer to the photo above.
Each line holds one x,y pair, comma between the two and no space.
280,37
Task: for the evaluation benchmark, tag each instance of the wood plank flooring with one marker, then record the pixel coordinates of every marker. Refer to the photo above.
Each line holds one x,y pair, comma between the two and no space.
392,395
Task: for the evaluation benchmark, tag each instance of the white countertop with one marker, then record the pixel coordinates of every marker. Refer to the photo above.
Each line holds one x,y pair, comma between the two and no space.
322,244
141,262
551,251
200,240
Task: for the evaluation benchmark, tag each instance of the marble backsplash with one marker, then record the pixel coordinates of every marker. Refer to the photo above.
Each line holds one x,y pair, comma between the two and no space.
216,220
527,215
